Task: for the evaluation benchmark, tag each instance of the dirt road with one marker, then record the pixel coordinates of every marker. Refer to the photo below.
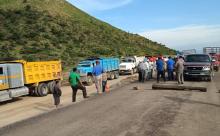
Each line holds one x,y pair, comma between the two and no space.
128,112
27,107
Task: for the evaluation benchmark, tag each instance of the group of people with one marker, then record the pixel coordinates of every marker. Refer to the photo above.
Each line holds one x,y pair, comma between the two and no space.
100,78
170,66
145,70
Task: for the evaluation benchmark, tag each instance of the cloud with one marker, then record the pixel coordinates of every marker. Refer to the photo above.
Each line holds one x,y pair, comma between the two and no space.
89,5
187,37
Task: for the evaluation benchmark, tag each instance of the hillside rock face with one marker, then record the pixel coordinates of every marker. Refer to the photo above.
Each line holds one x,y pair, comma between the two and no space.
54,29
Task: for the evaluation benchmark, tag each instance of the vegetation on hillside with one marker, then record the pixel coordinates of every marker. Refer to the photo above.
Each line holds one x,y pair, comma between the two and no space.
54,29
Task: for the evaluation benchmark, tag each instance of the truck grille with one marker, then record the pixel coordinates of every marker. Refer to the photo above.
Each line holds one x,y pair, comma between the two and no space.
194,68
123,66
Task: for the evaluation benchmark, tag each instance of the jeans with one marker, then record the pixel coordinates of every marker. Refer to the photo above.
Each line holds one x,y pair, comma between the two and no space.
170,74
160,74
56,99
142,75
104,83
75,89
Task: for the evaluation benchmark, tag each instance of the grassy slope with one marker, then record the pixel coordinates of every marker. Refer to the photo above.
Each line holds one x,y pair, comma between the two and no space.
54,29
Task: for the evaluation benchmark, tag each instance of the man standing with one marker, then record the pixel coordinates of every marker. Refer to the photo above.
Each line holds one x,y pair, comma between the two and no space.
76,84
160,69
57,93
179,69
97,73
170,67
142,71
104,80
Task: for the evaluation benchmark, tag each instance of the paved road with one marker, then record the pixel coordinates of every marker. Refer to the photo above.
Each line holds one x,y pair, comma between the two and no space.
128,112
27,107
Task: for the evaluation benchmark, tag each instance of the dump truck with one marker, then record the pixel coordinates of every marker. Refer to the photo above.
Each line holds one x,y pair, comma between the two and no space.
19,78
109,65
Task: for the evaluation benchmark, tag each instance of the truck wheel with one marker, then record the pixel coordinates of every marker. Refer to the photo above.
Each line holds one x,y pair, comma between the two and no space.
89,81
132,71
185,78
116,76
112,75
51,86
135,70
36,91
210,78
42,89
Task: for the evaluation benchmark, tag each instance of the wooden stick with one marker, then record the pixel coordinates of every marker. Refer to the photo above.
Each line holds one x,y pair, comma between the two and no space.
177,87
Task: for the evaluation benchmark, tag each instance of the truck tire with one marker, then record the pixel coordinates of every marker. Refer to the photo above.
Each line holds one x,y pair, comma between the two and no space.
112,75
89,81
186,78
51,85
36,91
42,89
135,70
210,78
132,71
116,76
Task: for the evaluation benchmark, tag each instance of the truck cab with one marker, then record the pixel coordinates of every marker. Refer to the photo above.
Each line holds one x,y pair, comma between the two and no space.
85,69
198,66
11,81
19,78
109,65
128,66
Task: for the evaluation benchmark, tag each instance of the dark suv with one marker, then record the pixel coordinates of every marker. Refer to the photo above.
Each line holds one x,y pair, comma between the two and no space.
198,66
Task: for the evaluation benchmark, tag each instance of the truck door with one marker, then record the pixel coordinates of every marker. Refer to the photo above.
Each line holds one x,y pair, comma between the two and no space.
3,77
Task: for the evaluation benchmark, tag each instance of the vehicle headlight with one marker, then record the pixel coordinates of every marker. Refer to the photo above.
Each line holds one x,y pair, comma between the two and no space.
206,68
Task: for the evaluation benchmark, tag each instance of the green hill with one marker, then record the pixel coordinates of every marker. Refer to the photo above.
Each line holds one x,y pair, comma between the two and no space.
54,29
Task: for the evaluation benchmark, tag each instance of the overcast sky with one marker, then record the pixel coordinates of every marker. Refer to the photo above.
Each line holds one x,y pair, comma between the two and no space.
180,24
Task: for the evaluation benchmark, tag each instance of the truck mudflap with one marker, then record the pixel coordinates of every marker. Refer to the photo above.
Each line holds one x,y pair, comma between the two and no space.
18,92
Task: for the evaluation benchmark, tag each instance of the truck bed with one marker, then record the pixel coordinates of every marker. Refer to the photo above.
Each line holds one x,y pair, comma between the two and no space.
35,72
110,64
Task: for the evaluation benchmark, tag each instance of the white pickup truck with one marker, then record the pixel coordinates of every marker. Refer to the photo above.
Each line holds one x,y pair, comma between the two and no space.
129,65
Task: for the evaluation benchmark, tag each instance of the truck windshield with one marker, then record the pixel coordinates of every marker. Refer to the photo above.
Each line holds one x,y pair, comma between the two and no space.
128,60
1,71
197,58
84,64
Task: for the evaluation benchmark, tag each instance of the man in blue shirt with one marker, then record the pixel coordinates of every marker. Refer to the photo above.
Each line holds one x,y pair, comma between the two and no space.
97,73
170,67
160,69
